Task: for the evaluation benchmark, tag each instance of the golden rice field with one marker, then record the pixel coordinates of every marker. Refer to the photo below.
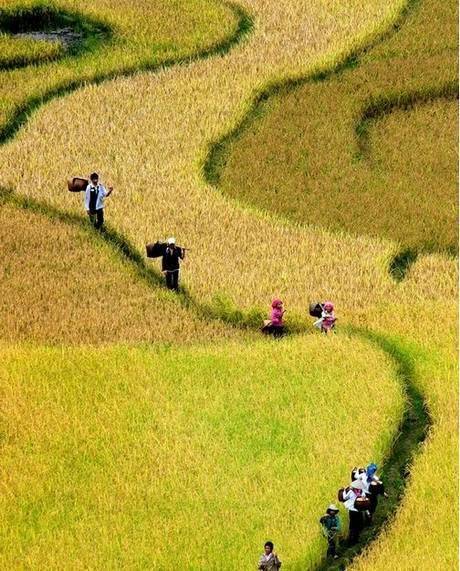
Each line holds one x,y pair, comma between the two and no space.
355,151
46,297
168,458
142,34
140,452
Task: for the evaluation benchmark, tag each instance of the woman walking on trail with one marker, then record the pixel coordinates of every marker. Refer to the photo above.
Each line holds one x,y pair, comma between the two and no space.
269,560
328,318
356,517
330,524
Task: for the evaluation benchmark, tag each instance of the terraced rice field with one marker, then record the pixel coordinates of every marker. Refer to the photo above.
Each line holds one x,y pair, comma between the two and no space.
140,429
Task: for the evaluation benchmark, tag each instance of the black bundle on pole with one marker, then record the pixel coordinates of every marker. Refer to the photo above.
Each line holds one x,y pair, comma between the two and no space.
316,309
156,250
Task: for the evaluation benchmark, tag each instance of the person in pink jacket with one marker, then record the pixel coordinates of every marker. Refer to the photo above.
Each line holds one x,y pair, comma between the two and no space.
276,318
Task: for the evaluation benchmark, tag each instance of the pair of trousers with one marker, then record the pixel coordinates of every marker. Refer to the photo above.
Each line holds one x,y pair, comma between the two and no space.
172,280
356,525
276,330
331,545
97,217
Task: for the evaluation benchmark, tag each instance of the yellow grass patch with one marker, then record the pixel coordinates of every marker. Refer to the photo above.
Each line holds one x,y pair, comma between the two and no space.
60,285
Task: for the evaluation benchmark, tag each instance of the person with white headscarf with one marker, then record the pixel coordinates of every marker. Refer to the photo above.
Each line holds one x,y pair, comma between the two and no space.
356,517
171,263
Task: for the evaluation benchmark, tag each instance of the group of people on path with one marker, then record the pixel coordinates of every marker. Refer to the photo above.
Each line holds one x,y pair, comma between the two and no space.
323,311
94,201
360,499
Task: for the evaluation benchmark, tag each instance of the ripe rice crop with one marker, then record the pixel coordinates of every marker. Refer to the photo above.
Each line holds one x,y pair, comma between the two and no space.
157,131
424,534
138,457
371,149
60,285
141,34
154,140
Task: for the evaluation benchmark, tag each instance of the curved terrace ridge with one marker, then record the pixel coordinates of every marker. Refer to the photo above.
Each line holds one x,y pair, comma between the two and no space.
414,425
376,106
124,248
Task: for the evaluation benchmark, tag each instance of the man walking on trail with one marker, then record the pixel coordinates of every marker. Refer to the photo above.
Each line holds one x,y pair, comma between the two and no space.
171,263
94,200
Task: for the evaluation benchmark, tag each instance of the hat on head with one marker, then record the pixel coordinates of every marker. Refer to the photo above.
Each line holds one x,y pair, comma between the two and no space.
357,484
171,241
276,302
332,508
371,469
328,305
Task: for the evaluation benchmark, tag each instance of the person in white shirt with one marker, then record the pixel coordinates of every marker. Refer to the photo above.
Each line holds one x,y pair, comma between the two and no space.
269,559
94,200
356,517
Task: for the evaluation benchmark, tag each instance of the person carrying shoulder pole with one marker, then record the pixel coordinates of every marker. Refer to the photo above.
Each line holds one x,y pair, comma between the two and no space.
94,200
170,263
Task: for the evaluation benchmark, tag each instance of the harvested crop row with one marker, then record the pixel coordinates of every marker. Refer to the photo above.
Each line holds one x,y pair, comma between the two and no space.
370,150
134,458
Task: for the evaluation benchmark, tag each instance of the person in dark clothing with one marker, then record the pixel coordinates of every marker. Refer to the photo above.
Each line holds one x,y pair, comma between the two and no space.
171,264
330,524
94,200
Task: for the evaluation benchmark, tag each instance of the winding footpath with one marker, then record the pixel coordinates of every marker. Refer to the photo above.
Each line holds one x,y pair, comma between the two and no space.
162,124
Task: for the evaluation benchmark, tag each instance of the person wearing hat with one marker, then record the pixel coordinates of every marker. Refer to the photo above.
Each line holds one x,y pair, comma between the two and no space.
94,200
330,524
373,487
170,263
356,517
269,560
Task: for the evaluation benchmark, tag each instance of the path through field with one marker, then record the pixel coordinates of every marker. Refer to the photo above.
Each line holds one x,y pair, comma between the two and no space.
153,132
